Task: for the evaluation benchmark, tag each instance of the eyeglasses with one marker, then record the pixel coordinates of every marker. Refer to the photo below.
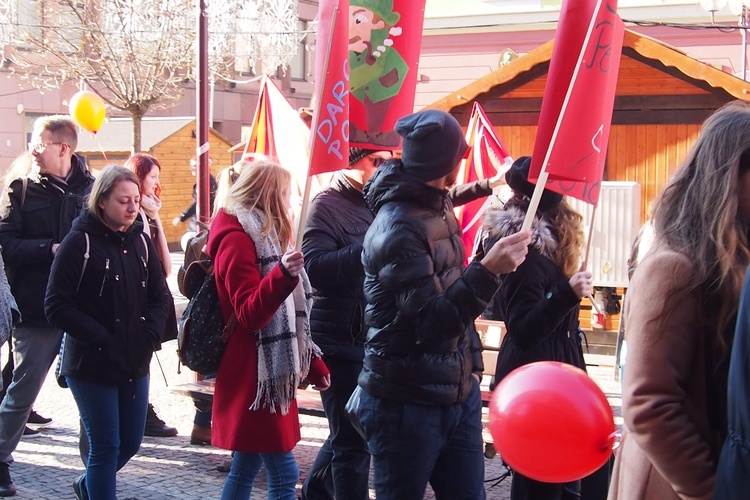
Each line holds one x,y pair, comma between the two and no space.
38,147
377,160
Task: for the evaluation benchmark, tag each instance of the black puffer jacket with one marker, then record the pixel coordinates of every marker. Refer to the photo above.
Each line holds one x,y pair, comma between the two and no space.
421,301
539,306
28,232
115,317
332,245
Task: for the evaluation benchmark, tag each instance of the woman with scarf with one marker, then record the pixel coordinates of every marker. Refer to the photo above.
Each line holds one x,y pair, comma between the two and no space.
261,281
147,168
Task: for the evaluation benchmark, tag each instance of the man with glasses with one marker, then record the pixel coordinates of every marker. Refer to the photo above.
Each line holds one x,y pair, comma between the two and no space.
332,245
38,214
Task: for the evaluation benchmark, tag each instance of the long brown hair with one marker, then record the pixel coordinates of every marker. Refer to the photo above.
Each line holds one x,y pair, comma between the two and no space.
568,225
261,185
697,214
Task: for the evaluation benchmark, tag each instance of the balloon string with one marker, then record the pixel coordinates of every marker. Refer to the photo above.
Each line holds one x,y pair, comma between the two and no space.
101,148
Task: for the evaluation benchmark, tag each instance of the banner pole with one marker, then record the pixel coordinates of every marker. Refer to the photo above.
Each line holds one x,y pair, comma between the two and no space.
313,128
543,175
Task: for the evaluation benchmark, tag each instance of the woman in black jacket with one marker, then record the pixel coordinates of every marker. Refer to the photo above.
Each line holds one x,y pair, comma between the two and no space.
541,299
108,293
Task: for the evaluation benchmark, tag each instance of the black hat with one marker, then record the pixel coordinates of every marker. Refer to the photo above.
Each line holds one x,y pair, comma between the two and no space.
517,178
356,154
433,144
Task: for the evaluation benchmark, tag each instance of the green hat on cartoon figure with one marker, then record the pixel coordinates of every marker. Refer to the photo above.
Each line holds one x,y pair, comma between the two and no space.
382,8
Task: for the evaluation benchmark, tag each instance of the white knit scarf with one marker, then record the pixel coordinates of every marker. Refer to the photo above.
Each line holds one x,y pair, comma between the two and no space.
285,346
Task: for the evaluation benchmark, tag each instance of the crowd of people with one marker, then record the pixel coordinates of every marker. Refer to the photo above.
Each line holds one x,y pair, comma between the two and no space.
376,310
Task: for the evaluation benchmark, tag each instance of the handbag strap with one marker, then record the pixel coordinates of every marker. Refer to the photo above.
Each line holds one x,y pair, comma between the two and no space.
229,328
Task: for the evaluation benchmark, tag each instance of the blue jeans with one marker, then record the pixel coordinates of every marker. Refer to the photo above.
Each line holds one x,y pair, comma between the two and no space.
281,470
114,417
414,444
343,462
34,350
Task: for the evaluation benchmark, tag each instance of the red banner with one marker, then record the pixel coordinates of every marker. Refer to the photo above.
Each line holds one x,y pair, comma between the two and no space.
576,112
385,38
487,156
329,148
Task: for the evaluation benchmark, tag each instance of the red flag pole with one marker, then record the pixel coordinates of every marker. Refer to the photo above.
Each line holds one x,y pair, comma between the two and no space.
543,175
313,128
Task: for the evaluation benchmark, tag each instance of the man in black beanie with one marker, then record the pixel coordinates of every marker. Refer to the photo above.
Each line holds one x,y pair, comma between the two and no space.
420,404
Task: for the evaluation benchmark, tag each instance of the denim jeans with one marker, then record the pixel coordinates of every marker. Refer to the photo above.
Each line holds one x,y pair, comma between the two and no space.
114,417
281,470
343,462
414,444
34,350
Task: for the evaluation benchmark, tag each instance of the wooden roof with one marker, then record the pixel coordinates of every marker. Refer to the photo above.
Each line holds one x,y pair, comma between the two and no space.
647,59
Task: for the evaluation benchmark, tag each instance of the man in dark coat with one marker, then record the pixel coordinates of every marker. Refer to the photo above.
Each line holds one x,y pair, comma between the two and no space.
420,404
39,213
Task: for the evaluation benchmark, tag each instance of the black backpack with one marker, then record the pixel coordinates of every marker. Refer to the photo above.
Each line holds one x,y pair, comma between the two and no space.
202,334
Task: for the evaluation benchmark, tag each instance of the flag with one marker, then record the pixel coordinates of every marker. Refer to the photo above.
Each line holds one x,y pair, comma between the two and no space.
329,148
576,112
385,38
279,133
487,157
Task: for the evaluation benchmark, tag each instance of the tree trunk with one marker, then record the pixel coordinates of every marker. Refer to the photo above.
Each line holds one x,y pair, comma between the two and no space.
137,120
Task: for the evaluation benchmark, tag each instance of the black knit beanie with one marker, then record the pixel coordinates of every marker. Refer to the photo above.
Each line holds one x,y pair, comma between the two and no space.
433,144
517,178
356,154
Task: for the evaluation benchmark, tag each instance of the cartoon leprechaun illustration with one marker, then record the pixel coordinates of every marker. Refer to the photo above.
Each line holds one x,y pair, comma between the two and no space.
377,70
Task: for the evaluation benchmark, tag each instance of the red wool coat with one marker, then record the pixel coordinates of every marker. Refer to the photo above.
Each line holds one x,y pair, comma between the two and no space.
255,300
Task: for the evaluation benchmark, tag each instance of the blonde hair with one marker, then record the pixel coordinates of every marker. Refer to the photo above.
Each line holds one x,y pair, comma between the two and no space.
697,215
260,186
103,186
226,179
568,227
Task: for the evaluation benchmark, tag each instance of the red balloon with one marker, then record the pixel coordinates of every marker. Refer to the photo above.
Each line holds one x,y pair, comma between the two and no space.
551,422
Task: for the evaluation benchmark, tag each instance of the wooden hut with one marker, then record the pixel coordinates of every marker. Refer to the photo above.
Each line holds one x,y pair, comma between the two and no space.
662,98
172,142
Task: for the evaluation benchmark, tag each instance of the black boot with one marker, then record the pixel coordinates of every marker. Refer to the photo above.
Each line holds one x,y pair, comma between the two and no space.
155,426
7,488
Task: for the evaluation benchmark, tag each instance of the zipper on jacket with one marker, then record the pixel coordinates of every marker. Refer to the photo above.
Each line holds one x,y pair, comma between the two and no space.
106,274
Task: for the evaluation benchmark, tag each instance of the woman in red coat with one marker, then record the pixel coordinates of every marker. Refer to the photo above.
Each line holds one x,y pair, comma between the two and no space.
262,281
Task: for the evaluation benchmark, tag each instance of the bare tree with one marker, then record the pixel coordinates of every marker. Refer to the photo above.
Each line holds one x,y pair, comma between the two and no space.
135,54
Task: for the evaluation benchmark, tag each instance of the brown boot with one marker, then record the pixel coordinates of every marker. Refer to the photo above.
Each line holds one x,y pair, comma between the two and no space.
200,435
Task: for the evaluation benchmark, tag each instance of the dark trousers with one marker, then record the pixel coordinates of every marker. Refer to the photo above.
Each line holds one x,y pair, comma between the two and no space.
413,444
524,488
114,418
343,462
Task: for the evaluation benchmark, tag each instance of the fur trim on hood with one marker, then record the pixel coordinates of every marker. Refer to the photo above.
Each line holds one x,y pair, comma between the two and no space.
501,222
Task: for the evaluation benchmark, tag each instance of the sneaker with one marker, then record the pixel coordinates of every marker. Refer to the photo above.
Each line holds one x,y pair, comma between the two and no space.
155,426
37,419
79,486
7,488
29,433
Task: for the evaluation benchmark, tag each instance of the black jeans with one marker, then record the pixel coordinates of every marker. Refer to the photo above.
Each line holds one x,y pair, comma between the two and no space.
343,462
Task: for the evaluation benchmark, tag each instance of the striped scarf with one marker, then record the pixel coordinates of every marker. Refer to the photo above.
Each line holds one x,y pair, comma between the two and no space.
285,347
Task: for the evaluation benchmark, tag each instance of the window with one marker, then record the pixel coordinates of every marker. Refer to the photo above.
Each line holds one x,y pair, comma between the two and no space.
298,65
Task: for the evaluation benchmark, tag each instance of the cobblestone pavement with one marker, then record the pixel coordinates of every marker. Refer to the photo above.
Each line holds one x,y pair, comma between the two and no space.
171,468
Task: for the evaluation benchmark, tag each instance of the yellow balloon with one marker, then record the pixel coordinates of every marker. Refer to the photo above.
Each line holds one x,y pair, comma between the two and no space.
87,110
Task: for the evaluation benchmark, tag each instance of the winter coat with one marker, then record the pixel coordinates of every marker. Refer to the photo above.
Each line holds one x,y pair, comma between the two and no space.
336,225
170,327
335,229
674,403
254,300
113,311
732,478
421,300
30,228
538,304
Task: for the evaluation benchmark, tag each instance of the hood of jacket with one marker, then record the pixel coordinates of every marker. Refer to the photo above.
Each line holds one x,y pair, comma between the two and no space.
391,183
92,225
501,222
